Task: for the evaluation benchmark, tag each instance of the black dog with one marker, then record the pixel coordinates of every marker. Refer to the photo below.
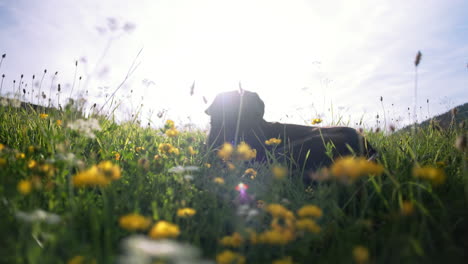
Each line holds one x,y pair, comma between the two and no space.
238,116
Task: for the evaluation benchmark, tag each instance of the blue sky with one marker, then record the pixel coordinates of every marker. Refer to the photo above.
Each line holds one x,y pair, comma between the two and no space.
302,56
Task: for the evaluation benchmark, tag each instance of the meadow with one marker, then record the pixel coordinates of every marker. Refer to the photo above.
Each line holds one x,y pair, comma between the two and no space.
78,189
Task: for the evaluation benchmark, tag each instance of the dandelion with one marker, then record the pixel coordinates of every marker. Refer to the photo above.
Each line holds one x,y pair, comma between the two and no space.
169,124
251,172
110,170
186,212
133,222
90,177
166,148
191,151
245,152
351,168
164,229
20,155
273,141
229,257
117,156
218,180
2,147
361,254
58,122
435,175
225,151
279,211
24,187
77,260
279,172
310,211
285,260
43,116
235,240
30,149
308,225
139,149
172,132
32,164
316,121
207,165
276,237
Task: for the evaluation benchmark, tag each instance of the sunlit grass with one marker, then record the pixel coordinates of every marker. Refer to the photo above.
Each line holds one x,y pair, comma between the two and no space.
115,192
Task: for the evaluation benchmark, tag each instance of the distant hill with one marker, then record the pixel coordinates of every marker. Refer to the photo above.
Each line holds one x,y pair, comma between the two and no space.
444,120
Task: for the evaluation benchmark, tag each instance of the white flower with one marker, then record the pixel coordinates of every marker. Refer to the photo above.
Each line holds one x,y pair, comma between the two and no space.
140,249
86,127
188,177
38,215
180,169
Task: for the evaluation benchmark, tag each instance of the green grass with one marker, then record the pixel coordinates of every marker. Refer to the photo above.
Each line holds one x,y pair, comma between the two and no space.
367,212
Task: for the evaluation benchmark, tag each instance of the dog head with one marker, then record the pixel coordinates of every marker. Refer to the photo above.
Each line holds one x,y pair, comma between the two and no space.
231,111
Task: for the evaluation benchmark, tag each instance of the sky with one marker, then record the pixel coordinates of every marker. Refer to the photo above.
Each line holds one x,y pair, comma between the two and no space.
305,58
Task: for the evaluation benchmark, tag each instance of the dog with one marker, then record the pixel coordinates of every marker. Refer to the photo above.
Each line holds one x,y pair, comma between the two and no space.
238,116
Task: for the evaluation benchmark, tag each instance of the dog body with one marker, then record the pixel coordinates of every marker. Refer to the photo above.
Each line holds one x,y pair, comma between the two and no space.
238,116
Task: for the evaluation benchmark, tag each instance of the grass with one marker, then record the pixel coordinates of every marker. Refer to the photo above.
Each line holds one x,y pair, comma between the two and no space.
392,217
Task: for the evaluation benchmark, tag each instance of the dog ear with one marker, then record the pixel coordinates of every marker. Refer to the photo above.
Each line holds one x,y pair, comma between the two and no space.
255,105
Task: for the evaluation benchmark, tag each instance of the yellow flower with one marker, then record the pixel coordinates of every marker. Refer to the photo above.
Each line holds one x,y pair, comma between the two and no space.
32,164
279,172
3,162
164,229
235,240
90,177
407,208
276,237
110,170
225,151
273,141
172,132
361,254
76,260
308,225
134,222
350,168
166,148
139,149
191,151
30,149
43,116
169,123
24,187
251,172
218,180
229,257
245,152
286,260
435,175
186,212
117,156
20,155
277,210
316,121
310,211
208,165
2,146
58,122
